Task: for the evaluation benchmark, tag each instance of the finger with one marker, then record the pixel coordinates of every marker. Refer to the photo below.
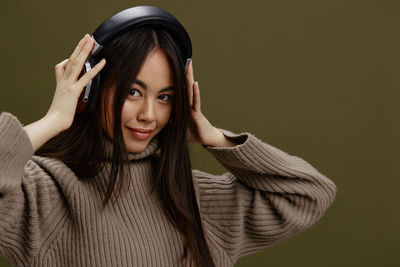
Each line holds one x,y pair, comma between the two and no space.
190,80
88,76
196,97
189,74
78,61
191,96
80,45
191,71
78,48
60,68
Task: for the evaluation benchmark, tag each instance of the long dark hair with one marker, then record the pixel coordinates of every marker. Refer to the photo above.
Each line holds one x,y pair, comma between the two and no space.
81,147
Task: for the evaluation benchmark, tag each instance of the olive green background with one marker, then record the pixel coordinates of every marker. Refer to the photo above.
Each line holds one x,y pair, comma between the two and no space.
317,79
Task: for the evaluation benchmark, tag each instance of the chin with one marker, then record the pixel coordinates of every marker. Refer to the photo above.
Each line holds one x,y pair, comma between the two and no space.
137,147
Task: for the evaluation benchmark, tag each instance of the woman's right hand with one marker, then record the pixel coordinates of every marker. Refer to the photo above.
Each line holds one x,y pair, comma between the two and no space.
69,88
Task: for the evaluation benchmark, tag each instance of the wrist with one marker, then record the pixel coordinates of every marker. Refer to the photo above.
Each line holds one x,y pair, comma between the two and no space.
39,132
220,140
54,123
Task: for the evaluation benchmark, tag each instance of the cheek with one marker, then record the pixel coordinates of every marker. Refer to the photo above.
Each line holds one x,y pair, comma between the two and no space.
165,115
124,113
128,111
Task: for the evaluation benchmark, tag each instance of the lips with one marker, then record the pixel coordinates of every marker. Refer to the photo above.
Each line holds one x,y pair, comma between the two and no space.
140,133
141,130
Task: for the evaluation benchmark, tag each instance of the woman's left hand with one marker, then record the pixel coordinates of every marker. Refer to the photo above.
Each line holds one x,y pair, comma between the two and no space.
199,129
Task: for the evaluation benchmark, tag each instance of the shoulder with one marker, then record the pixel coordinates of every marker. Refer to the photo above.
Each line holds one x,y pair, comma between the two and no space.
49,171
205,182
200,175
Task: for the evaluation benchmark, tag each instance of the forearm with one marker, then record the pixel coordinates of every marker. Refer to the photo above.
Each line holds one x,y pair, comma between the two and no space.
220,140
39,132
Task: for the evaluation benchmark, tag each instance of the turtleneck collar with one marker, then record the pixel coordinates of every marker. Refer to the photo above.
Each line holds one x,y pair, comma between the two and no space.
151,148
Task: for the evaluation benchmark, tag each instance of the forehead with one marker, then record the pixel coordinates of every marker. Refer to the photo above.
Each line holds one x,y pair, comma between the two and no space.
156,71
144,86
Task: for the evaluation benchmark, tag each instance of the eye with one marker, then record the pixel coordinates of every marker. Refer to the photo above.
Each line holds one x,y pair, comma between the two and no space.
168,97
132,91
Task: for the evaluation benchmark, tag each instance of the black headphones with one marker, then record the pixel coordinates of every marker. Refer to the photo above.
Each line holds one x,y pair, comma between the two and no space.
120,23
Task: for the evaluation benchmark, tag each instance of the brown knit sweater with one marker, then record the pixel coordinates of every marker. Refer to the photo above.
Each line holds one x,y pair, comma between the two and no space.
48,217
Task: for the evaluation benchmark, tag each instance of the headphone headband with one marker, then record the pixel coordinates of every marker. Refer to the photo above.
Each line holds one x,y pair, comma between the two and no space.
133,17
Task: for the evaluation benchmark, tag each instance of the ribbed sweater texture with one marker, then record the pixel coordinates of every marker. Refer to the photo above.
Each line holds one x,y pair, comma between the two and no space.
50,217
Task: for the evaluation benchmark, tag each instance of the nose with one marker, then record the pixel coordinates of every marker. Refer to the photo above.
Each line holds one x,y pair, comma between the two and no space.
147,112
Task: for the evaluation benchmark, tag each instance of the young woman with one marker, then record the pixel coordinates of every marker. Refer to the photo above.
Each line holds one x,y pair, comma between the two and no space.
117,189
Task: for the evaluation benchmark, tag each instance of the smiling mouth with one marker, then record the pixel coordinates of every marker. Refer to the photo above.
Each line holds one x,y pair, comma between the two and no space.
139,135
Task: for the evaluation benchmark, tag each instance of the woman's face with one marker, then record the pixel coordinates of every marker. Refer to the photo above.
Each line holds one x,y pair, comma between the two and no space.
148,105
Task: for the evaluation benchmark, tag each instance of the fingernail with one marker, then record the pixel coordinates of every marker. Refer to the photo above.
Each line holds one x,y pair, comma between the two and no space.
187,64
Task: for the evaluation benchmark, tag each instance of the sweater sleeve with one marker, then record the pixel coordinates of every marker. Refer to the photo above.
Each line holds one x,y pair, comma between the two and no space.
265,197
22,200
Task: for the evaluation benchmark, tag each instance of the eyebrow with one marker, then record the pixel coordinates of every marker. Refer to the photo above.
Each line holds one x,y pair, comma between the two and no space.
142,84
